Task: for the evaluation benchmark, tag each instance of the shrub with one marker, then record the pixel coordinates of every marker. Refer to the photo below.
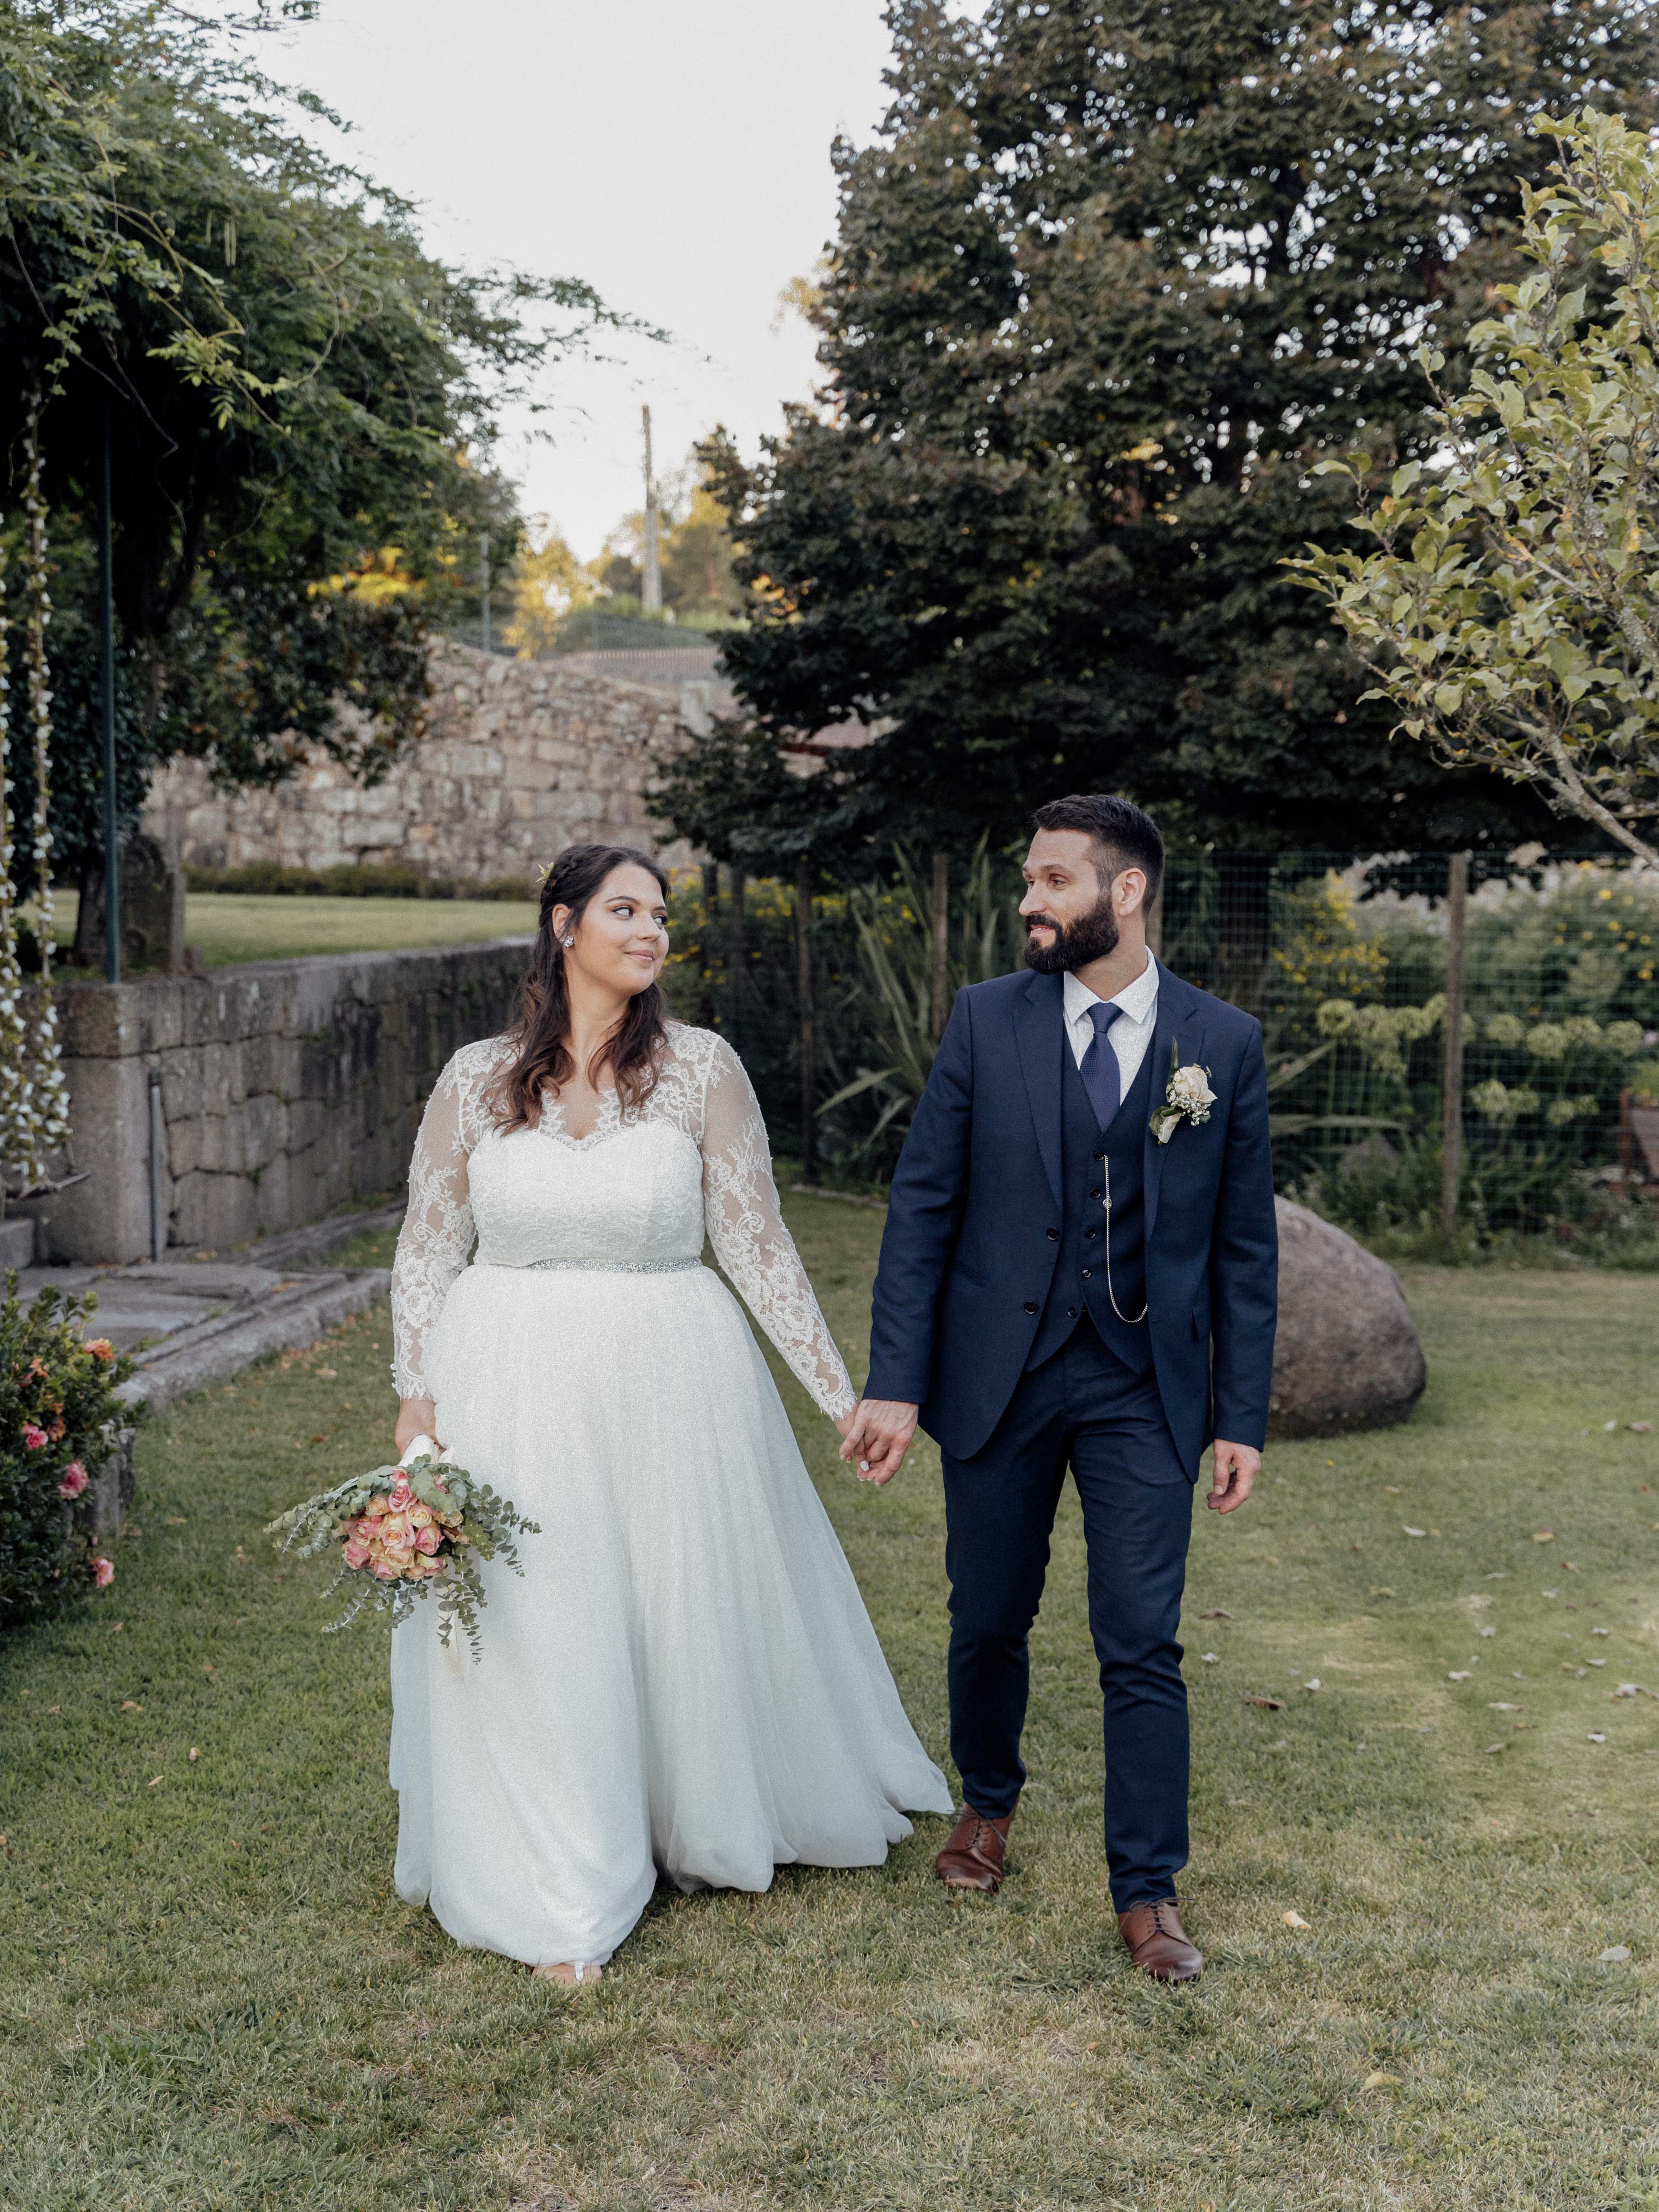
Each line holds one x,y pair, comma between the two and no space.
58,1419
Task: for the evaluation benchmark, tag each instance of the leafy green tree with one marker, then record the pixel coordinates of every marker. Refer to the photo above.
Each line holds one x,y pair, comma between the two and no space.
1509,612
1114,274
300,401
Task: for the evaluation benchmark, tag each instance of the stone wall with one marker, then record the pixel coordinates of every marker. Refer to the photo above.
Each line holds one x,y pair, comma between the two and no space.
520,759
287,1089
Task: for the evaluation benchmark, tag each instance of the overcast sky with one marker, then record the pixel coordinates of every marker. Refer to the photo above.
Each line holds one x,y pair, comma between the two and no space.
676,155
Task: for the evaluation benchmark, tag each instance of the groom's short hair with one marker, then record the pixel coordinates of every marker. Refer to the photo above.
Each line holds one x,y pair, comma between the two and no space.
1123,835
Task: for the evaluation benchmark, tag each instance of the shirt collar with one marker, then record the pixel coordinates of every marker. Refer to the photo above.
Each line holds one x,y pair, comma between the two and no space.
1137,1000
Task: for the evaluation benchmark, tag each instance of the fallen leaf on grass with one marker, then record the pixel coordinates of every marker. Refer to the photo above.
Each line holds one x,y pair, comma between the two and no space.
1391,1490
194,1752
1641,1428
1414,1532
1595,1737
1210,1658
153,1779
1312,1683
1498,1706
1462,1676
1614,1955
1273,1705
1215,1612
1295,1920
1609,1425
1381,2080
1492,1747
1543,1535
1601,1632
127,1705
1383,1590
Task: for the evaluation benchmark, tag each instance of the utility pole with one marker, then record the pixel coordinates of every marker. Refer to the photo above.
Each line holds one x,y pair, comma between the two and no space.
483,583
651,584
107,702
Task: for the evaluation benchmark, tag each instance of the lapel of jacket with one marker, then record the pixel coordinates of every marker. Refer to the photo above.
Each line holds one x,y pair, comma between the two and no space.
1178,1031
1040,1032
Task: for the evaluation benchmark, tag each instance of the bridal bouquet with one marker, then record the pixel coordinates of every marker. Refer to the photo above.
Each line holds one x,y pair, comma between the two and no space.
403,1531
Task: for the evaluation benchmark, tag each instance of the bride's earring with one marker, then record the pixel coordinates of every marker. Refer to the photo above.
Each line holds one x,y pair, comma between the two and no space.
566,942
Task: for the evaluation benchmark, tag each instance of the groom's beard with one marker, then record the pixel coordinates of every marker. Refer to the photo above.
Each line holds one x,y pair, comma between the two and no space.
1091,937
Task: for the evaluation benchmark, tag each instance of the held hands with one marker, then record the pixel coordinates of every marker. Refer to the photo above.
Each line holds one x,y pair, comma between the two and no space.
1237,1466
876,1438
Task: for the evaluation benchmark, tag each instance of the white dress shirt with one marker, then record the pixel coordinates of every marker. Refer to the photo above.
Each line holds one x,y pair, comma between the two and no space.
1130,1034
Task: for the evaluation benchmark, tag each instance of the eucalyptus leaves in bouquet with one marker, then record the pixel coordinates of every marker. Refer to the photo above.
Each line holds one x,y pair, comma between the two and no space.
404,1531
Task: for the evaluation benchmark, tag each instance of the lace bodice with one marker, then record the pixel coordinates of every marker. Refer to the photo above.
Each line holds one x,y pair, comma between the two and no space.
638,1191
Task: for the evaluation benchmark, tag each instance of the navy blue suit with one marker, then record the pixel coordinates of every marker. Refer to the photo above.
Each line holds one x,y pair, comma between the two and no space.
995,1312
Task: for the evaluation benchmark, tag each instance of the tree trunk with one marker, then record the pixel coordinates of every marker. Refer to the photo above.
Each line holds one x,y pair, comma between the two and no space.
737,960
711,907
809,1053
941,943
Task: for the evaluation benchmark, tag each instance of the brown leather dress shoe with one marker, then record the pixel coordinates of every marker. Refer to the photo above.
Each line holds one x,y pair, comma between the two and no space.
1157,1942
973,1857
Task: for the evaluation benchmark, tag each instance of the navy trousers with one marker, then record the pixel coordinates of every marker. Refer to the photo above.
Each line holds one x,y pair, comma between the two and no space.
1084,1409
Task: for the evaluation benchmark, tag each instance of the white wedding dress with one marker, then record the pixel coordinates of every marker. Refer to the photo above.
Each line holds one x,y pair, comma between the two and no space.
685,1681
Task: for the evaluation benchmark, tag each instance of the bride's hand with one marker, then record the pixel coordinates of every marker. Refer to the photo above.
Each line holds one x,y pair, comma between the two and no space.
416,1417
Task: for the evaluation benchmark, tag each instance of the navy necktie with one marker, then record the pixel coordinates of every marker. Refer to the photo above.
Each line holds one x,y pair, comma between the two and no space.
1099,1067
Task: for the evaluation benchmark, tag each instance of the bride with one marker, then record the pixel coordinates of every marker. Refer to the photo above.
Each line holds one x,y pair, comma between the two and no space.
685,1681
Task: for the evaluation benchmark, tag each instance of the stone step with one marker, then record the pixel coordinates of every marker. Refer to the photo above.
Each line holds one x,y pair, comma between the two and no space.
16,1243
289,1320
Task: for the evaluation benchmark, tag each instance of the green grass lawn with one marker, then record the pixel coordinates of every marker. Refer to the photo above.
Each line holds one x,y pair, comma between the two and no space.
230,927
209,1995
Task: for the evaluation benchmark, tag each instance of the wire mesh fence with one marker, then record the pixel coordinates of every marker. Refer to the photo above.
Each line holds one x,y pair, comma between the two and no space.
1349,966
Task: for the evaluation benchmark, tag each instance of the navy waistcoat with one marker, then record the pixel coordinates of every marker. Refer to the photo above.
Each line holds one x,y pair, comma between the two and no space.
1080,1277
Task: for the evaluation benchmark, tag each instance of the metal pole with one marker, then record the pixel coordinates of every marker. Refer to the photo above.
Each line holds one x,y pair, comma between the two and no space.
111,799
941,942
483,583
809,1051
1451,1086
651,582
158,1137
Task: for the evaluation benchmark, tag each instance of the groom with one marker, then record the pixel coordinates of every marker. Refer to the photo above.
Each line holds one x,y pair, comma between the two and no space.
1081,1268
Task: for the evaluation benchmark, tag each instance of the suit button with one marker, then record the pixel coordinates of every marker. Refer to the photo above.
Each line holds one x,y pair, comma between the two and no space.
1071,1313
1087,1272
1100,1151
1030,1305
1091,1232
1053,1236
1096,1193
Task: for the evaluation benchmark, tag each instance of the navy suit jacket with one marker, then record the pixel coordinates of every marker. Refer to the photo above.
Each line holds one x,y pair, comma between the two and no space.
967,1257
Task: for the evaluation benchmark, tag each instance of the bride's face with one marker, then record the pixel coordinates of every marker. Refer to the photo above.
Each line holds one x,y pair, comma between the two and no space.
621,939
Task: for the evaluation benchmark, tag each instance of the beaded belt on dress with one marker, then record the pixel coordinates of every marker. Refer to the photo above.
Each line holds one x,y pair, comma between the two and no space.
621,1266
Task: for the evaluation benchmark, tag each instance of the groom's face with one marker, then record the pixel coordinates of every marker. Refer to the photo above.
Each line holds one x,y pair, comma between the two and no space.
1068,908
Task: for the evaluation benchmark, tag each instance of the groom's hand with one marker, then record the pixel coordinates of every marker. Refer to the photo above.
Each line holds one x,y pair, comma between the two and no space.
1237,1466
877,1436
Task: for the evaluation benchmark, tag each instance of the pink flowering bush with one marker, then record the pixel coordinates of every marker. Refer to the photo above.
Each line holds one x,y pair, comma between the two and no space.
402,1531
59,1414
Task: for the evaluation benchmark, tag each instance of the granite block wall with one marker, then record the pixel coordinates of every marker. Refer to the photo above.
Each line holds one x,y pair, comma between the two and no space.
520,758
288,1088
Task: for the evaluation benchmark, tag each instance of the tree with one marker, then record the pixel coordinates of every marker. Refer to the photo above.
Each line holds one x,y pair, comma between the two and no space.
1114,273
301,402
1511,612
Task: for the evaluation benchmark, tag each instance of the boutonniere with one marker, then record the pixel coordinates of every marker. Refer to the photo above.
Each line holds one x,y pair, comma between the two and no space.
1187,1097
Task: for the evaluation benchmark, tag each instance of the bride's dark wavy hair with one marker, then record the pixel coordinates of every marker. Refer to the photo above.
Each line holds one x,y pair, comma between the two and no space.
542,1031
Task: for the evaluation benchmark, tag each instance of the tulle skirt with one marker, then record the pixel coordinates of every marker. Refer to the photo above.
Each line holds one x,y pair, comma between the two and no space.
685,1681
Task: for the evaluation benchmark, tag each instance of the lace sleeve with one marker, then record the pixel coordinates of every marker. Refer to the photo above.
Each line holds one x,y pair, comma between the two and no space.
746,1229
437,1235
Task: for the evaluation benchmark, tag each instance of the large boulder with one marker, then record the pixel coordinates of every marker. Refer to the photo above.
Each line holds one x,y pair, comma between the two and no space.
1347,1355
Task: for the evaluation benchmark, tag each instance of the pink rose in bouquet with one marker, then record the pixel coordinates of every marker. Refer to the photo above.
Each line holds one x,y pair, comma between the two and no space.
398,1531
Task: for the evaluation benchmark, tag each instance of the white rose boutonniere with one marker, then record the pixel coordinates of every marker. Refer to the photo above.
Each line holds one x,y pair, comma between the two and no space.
1188,1097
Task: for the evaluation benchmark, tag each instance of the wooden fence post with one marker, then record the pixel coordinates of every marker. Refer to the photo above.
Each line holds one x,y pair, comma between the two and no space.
809,1055
941,943
737,958
1451,1083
